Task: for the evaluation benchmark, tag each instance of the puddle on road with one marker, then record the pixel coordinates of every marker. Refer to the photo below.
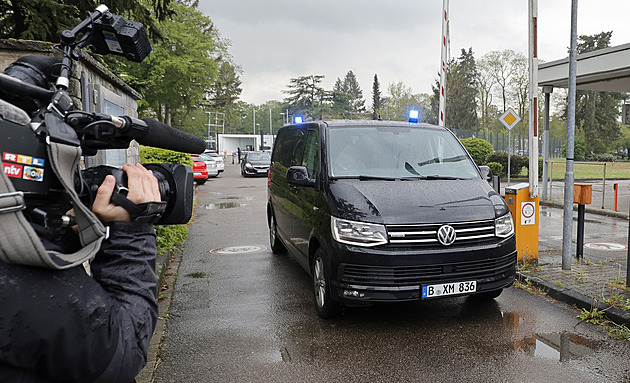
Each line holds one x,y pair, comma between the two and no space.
557,346
223,205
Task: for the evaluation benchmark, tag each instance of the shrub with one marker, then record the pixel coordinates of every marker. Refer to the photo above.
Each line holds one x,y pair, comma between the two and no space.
168,237
478,148
497,168
601,157
517,162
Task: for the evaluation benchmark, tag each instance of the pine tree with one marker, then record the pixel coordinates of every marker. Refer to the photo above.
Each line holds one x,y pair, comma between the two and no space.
377,101
351,87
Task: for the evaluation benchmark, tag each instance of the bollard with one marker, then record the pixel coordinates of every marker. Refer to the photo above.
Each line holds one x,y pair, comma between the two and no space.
616,189
582,196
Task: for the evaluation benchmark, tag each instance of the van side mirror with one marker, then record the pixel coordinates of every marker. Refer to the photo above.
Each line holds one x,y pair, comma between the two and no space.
298,176
486,173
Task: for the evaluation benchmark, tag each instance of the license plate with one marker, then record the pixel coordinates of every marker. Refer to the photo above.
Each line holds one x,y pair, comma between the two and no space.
444,289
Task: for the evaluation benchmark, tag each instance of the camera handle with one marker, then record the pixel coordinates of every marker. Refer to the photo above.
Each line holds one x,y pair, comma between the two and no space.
148,212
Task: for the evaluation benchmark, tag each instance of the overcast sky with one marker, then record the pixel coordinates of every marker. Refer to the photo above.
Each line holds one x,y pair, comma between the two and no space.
399,40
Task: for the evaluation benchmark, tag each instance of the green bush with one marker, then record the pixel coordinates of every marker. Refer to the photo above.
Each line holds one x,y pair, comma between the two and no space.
478,148
517,162
171,236
497,168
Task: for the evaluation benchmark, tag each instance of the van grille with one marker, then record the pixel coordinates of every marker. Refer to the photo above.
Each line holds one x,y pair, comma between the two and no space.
401,276
426,235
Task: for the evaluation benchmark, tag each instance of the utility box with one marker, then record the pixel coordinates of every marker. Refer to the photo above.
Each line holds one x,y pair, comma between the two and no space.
524,211
582,193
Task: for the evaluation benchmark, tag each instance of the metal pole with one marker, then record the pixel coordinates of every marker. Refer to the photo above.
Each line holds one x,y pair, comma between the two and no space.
579,251
533,99
604,187
509,153
569,177
628,261
444,53
547,91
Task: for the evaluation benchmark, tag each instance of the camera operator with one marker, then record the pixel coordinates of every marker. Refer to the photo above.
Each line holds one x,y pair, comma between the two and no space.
63,325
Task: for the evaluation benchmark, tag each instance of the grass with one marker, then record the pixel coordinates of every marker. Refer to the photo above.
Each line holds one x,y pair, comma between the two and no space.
590,170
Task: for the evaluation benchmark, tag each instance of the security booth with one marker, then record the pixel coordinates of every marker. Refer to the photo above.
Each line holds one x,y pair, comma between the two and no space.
524,211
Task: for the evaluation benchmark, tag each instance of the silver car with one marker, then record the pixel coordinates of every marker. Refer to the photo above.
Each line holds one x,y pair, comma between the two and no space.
211,164
218,159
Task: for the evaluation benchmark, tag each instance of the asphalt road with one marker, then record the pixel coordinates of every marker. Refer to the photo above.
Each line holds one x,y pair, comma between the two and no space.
241,314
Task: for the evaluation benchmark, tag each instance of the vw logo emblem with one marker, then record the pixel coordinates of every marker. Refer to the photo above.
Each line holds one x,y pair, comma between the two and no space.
446,235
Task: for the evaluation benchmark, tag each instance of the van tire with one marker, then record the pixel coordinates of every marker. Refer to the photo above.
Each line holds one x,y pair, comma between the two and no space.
277,247
325,306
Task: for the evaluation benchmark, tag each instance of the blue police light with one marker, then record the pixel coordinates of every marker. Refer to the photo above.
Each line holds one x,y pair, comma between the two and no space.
414,115
298,120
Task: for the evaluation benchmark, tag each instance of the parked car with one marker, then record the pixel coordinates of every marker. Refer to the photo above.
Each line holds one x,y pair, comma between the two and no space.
381,211
218,159
200,171
255,164
211,164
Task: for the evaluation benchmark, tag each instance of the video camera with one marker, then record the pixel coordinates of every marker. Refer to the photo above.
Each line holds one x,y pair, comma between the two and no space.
35,115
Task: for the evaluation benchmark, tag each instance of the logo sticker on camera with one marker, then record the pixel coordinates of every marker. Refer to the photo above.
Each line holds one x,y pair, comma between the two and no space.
12,170
33,174
22,159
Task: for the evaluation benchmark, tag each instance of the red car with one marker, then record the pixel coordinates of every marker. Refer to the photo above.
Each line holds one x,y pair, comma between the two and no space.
200,171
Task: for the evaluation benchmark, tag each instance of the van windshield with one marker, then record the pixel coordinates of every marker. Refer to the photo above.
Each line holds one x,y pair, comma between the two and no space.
397,152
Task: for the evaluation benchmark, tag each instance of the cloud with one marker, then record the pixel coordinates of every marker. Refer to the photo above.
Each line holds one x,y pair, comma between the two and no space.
275,40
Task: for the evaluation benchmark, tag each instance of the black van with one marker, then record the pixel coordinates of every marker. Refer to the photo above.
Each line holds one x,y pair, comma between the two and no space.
379,211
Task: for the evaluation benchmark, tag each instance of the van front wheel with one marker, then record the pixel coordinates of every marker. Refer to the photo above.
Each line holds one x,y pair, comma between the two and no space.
325,306
277,247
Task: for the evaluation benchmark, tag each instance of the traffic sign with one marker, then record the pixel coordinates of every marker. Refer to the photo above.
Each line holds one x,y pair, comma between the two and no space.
509,119
528,210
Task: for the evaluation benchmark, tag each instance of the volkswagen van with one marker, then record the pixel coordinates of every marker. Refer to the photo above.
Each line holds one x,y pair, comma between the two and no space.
378,211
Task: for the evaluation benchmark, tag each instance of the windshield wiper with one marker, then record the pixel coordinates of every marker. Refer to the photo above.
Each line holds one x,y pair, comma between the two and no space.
438,177
366,178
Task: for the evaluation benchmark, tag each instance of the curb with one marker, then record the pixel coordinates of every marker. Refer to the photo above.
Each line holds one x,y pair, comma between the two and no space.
579,300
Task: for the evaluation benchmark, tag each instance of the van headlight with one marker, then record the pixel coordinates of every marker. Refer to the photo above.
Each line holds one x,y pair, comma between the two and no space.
358,233
503,226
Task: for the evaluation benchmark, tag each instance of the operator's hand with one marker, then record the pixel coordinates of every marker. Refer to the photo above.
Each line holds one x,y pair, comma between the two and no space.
143,187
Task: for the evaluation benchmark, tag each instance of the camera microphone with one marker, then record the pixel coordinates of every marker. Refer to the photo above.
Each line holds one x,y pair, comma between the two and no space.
166,137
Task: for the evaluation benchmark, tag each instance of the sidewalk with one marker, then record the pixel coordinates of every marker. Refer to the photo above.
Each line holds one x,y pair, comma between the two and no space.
599,278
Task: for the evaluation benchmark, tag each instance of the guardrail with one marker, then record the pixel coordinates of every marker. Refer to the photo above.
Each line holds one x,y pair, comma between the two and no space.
552,163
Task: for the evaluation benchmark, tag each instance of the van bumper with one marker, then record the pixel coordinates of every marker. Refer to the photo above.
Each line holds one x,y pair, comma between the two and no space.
365,275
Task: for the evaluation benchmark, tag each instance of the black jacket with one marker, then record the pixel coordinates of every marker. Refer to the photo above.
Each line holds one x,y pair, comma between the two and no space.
63,325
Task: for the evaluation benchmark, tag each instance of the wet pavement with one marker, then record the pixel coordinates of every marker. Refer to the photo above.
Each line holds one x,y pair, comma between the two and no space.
242,314
598,280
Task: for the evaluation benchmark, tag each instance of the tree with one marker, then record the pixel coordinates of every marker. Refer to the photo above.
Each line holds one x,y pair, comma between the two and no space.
377,101
307,97
485,84
45,19
353,90
596,112
182,70
461,93
340,101
503,65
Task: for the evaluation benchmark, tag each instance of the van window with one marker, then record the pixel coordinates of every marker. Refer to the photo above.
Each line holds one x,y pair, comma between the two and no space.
397,152
311,153
285,147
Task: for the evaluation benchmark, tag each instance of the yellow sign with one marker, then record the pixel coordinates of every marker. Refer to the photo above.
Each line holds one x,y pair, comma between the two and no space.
509,118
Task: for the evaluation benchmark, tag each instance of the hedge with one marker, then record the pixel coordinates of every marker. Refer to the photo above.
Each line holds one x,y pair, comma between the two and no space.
169,237
478,148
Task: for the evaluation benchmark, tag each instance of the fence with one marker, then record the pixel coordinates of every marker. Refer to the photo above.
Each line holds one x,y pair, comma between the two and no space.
499,141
